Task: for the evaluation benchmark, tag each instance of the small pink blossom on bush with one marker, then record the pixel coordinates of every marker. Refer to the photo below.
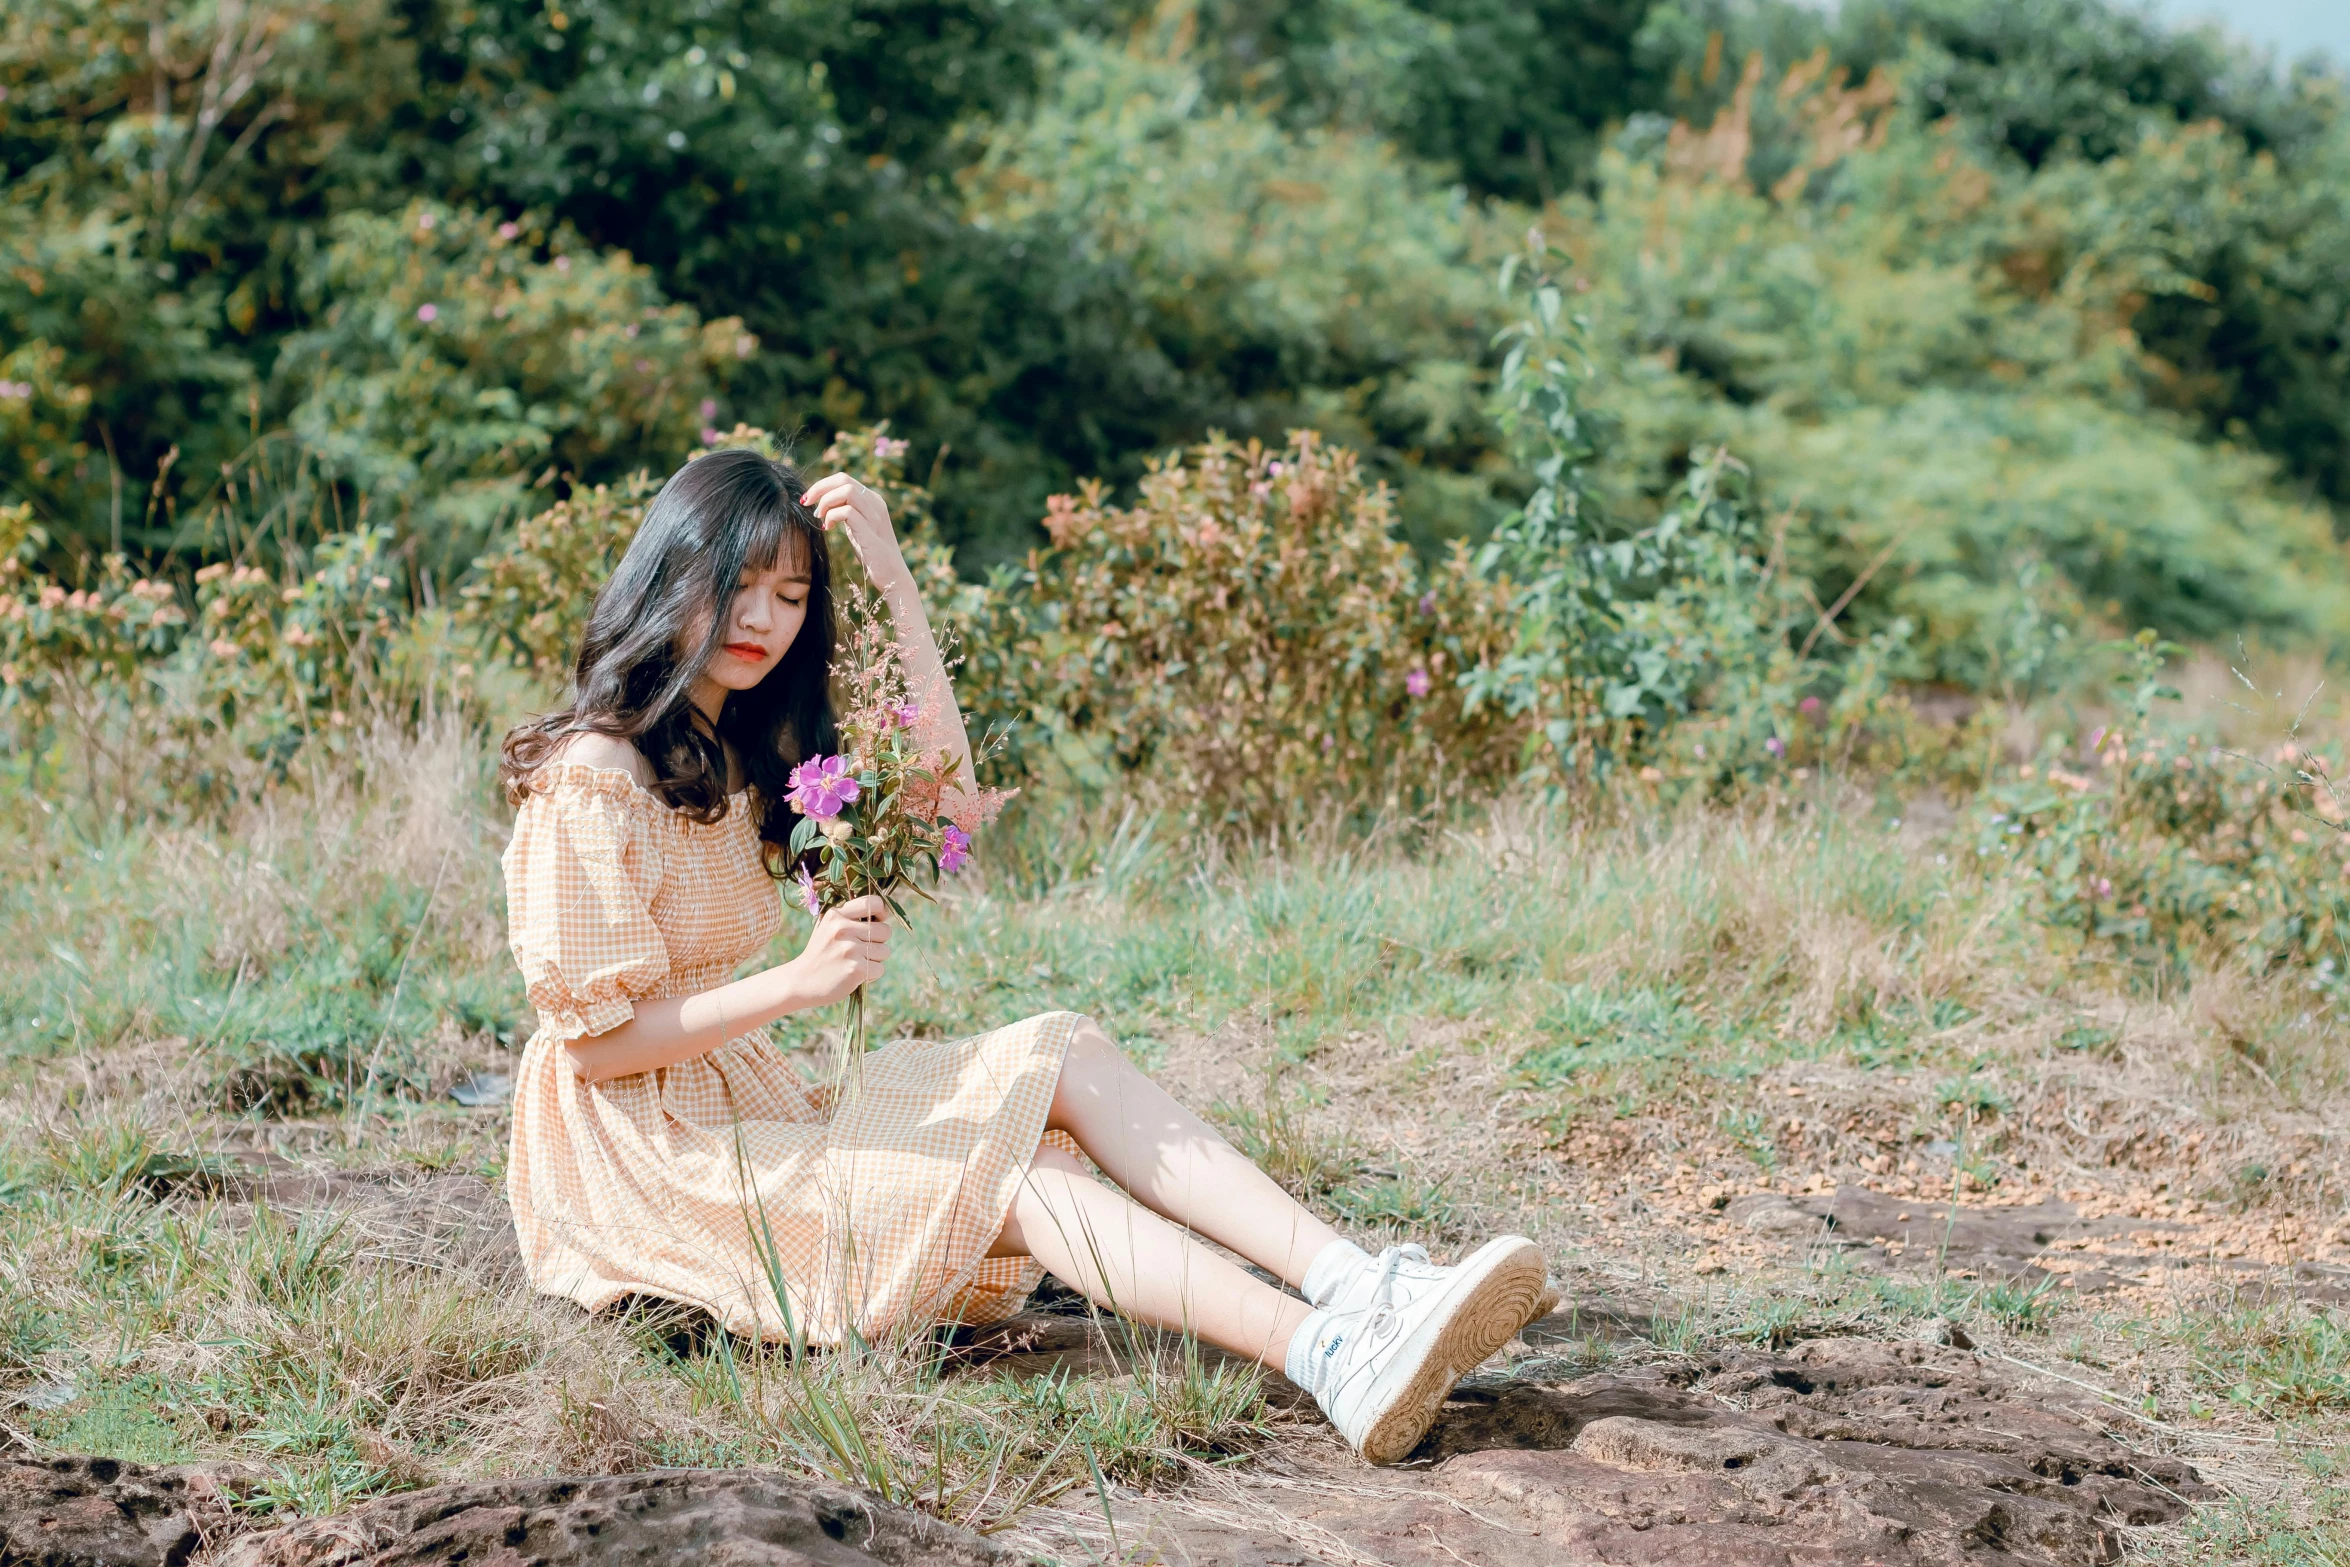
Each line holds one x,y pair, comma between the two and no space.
906,713
424,221
954,850
709,409
509,230
1776,746
1428,602
562,263
709,435
428,313
887,448
2104,888
821,785
2098,738
1416,682
1808,706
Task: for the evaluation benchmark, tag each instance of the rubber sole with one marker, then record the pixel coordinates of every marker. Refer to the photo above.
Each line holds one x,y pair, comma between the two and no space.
1502,1286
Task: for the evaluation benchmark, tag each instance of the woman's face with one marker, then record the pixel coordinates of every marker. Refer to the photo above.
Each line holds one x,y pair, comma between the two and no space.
762,618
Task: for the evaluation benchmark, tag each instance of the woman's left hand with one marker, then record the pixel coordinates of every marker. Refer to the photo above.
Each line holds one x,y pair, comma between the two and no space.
840,501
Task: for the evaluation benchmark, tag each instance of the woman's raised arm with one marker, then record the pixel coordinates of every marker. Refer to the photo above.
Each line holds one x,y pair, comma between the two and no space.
838,500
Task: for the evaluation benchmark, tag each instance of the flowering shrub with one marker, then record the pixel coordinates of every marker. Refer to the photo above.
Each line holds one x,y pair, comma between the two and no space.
1250,640
2162,841
529,597
136,672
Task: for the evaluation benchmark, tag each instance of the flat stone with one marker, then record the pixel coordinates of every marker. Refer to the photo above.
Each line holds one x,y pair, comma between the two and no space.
1834,1453
727,1518
100,1512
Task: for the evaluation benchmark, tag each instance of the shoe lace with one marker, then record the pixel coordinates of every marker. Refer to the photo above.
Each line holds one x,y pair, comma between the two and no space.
1391,1263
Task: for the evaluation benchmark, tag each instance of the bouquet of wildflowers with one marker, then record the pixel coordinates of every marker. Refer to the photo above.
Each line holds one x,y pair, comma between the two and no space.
888,814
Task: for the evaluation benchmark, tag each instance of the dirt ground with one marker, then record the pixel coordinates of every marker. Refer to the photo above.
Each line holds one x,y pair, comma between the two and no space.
1873,1348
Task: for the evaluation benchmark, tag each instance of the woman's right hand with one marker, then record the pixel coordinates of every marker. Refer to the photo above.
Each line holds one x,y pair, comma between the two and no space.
848,949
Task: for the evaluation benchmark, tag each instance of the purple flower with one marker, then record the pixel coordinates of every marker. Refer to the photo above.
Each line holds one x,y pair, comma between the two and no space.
888,449
1808,706
709,435
428,313
2098,738
906,713
709,408
1428,602
1776,746
821,785
954,849
808,898
2104,888
509,230
1416,682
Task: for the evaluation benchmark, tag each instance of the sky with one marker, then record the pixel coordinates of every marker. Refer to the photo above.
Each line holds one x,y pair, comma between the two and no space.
2291,27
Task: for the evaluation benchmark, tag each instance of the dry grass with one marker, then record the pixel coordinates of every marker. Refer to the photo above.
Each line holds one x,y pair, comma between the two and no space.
1598,1032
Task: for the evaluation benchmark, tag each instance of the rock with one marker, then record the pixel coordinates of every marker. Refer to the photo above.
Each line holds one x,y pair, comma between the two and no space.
1836,1453
99,1512
726,1518
1767,1213
483,1090
1941,1330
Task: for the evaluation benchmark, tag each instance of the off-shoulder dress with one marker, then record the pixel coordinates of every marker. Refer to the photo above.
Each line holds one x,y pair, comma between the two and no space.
730,1181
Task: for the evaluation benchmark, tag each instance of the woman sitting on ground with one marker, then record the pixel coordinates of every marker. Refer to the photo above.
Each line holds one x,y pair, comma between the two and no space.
664,1146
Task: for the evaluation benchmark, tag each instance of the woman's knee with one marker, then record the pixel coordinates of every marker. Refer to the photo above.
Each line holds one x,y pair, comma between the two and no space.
1092,1056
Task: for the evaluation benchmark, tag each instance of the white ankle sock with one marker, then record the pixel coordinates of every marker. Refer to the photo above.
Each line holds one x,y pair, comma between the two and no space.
1332,1266
1298,1364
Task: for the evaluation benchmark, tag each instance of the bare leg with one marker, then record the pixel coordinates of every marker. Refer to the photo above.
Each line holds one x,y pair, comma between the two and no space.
1174,1164
1120,1257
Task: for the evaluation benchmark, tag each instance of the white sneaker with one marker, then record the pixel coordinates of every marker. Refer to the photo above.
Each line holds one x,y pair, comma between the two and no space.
1408,1272
1381,1368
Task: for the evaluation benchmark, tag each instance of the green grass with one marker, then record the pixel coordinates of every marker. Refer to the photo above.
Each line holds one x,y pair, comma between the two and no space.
308,973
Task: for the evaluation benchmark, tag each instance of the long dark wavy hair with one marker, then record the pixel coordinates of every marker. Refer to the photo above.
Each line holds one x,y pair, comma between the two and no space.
660,620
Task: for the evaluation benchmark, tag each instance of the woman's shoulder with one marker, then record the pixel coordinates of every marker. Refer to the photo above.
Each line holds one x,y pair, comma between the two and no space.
603,753
589,766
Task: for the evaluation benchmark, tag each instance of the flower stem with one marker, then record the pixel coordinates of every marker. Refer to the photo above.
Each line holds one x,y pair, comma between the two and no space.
852,1043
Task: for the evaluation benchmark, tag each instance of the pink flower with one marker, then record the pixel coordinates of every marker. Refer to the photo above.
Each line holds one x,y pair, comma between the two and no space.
2098,738
1416,682
821,785
428,313
2104,888
1776,746
954,849
709,409
888,450
906,713
1428,602
509,230
709,435
1808,706
808,898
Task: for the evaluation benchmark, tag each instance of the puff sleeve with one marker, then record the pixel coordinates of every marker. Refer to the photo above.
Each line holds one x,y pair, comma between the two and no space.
581,872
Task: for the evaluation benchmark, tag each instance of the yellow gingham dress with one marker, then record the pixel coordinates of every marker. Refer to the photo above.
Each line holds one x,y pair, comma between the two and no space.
683,1182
